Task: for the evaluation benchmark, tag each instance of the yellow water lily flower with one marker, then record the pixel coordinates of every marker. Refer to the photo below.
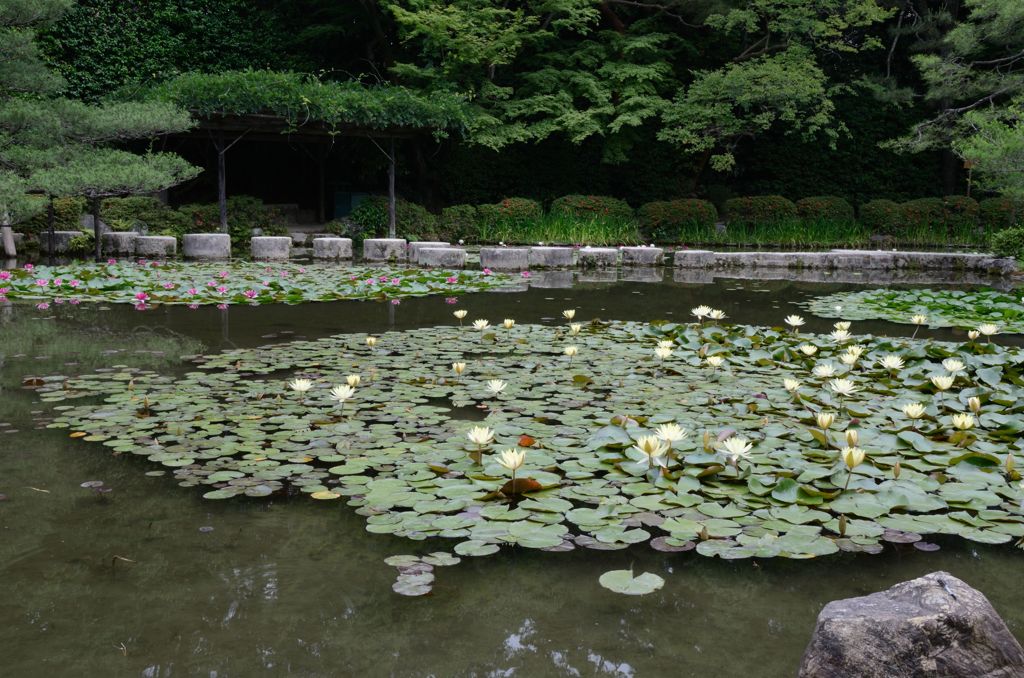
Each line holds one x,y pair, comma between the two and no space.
353,380
963,421
913,410
852,437
569,313
671,433
974,403
512,458
825,420
300,385
853,457
480,435
942,382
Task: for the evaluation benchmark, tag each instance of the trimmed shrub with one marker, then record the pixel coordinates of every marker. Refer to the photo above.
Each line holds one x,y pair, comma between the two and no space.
457,222
825,208
999,213
961,213
675,220
245,213
510,212
67,213
759,209
412,221
881,216
591,206
1008,242
922,217
155,218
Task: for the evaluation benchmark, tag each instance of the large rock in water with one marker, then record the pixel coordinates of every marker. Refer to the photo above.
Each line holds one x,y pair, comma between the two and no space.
935,625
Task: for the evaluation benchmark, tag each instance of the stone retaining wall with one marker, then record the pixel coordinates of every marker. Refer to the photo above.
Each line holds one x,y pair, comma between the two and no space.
849,260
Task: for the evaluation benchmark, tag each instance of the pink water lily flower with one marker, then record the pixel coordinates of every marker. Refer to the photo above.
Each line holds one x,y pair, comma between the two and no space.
302,270
193,306
223,274
58,301
42,306
451,279
74,302
141,306
111,261
525,274
57,282
395,281
211,283
451,300
487,271
395,302
75,283
5,275
29,267
168,286
222,307
42,282
222,289
192,291
141,296
250,293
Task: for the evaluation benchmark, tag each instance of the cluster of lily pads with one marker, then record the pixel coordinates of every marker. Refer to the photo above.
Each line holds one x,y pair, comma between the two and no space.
731,440
145,283
936,308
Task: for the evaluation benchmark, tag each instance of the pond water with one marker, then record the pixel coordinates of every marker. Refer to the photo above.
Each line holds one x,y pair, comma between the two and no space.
152,580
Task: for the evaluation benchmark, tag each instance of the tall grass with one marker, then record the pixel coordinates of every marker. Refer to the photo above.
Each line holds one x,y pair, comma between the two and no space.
562,230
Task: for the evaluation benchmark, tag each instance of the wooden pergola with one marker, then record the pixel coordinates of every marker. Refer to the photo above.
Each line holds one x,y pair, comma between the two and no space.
225,130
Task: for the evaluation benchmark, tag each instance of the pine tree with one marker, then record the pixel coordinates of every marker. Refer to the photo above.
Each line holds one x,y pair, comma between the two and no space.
52,146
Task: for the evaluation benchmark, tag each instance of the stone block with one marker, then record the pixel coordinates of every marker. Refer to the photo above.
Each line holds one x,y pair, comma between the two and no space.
385,249
441,257
415,247
119,243
550,257
206,246
156,246
271,248
693,258
332,248
597,257
642,256
61,240
505,258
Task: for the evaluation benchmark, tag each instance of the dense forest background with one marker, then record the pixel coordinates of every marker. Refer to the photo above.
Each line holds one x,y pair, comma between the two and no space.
578,96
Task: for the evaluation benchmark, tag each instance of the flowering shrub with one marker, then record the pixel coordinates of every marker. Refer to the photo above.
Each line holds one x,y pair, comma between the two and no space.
669,220
591,206
759,209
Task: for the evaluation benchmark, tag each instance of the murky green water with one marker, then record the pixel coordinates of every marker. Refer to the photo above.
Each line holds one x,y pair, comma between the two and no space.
299,587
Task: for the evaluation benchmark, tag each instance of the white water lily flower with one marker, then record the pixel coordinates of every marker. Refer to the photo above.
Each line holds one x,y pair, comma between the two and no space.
665,343
717,314
842,325
892,362
953,365
974,403
342,393
808,349
662,352
843,387
496,386
701,311
461,313
852,436
794,321
963,420
825,420
988,329
942,382
973,335
651,446
736,447
569,313
913,410
919,319
855,349
853,457
791,384
512,459
353,380
715,360
571,351
671,433
849,358
300,385
574,328
839,336
509,323
480,435
824,370
458,368
481,325
371,341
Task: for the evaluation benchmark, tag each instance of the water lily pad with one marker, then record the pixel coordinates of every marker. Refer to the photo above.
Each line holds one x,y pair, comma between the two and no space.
623,581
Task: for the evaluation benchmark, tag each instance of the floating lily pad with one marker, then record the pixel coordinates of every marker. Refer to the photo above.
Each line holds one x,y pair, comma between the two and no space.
623,581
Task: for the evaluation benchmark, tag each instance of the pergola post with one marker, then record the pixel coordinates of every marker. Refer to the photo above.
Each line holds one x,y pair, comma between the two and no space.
392,207
222,183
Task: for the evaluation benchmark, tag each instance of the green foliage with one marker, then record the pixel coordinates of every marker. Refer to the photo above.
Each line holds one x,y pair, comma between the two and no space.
998,213
993,140
825,208
559,229
81,245
676,220
67,213
458,222
510,213
881,216
961,308
758,210
103,45
960,213
303,99
1009,242
149,213
412,221
922,215
594,206
245,213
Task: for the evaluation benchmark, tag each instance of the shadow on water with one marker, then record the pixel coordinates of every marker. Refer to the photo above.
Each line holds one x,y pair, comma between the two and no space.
152,580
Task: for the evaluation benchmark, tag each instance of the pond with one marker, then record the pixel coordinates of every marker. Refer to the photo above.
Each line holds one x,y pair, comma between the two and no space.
150,579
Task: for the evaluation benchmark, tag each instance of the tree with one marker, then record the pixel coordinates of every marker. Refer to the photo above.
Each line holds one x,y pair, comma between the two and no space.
54,146
993,143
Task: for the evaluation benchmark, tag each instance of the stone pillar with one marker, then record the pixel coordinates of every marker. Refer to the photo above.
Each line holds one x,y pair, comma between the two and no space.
206,246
